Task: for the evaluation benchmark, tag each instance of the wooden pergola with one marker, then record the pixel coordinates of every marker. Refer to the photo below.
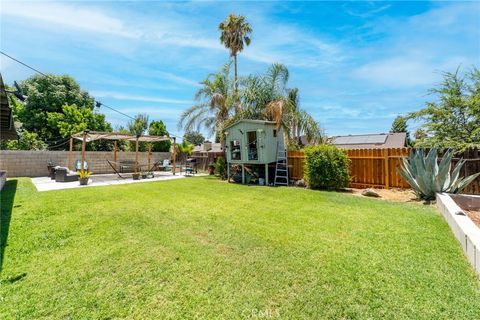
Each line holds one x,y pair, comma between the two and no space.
88,136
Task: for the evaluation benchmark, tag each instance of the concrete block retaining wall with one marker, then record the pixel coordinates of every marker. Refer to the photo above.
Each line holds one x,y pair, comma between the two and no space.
34,163
466,232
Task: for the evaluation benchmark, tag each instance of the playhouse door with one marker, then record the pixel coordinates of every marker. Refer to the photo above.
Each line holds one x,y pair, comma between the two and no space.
252,146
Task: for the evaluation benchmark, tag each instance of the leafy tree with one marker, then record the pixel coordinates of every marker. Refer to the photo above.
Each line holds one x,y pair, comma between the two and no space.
124,145
400,125
234,35
158,128
138,126
27,141
194,137
453,121
49,94
74,119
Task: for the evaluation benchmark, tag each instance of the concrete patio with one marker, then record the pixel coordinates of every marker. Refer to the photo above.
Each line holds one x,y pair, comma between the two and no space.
97,180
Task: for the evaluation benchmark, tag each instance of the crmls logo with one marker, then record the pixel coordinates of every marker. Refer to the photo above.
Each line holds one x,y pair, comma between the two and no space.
263,314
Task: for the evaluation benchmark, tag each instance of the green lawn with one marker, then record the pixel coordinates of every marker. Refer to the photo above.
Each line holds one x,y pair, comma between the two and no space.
201,248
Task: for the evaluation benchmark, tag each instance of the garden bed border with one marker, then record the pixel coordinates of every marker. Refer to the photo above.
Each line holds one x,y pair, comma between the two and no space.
466,232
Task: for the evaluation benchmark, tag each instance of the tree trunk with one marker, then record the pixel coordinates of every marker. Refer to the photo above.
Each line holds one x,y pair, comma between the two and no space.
236,75
237,102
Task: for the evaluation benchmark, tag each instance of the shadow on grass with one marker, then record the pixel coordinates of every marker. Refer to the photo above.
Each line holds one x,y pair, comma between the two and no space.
6,205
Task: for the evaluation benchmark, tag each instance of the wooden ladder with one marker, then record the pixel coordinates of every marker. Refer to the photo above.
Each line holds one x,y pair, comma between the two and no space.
281,168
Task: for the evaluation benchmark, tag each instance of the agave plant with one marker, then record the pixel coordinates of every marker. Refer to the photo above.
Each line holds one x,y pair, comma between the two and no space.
427,176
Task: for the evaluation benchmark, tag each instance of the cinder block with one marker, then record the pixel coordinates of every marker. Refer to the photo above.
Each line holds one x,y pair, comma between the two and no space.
470,251
477,259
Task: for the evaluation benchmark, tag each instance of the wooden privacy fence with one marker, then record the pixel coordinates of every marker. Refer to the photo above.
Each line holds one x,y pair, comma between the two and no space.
379,167
203,159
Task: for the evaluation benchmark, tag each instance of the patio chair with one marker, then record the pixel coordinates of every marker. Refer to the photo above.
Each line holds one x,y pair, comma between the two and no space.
78,165
64,175
166,165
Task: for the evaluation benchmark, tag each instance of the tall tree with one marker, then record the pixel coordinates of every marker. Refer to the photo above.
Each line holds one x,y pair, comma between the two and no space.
138,126
268,98
399,124
194,137
73,119
215,104
453,121
49,94
158,128
235,35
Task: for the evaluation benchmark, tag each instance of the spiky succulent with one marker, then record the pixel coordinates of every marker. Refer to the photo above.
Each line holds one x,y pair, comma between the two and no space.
427,176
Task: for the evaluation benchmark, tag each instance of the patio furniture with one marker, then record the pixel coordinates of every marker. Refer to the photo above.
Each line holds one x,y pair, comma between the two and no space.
126,166
64,175
115,169
191,163
51,169
165,166
155,166
78,165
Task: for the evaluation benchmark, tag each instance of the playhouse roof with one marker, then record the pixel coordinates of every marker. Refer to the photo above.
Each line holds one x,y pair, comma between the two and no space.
251,121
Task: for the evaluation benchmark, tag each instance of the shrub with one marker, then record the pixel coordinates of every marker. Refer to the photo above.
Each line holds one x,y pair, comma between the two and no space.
326,167
221,168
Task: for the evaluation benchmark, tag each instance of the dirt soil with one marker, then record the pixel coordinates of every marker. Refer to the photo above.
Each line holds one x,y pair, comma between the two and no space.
474,215
398,195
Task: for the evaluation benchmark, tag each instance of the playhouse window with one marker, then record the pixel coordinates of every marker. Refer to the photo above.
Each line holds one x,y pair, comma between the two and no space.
252,145
235,150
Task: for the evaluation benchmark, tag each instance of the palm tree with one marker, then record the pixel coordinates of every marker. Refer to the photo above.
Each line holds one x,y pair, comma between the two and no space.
268,98
259,91
300,122
234,35
214,109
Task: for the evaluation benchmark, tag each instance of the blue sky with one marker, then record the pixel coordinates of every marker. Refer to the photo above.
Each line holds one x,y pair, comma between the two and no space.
357,64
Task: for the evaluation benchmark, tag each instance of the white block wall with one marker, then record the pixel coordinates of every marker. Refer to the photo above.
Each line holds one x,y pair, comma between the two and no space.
466,232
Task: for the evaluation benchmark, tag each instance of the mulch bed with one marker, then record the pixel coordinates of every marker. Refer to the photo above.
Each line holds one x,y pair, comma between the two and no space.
474,215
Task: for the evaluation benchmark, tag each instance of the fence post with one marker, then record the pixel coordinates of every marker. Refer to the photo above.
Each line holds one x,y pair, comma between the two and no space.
386,172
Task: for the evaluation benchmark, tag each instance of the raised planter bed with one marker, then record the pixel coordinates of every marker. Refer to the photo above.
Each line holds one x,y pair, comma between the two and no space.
453,208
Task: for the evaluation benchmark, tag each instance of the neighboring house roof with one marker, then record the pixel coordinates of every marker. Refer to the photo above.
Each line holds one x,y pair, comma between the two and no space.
371,141
208,147
7,127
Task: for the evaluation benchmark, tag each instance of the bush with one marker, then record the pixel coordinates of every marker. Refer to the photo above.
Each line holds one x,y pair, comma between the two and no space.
326,167
221,168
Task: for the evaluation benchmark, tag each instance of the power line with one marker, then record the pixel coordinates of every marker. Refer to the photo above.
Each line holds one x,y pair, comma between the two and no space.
98,103
46,75
24,64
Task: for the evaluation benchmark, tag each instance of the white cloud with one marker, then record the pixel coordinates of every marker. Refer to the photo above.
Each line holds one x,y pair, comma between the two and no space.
369,12
122,96
282,43
73,16
178,79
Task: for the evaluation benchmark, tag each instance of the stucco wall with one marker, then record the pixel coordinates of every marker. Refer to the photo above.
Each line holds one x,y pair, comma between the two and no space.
34,163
